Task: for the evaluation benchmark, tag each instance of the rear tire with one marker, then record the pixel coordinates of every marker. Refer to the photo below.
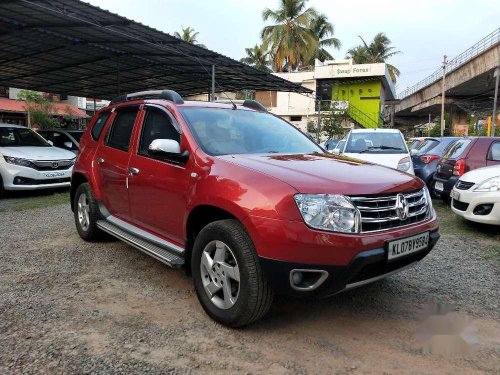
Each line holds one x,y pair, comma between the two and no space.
228,280
86,214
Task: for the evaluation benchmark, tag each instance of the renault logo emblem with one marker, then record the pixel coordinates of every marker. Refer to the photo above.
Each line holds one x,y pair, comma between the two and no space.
55,164
401,207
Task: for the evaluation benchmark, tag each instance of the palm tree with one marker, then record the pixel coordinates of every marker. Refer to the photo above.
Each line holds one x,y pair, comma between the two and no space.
378,51
323,30
258,57
290,39
189,35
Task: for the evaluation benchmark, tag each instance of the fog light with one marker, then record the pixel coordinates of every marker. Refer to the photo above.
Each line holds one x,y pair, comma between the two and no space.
483,209
307,280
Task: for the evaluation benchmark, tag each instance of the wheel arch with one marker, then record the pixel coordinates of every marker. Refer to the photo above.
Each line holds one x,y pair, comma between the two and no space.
76,180
199,217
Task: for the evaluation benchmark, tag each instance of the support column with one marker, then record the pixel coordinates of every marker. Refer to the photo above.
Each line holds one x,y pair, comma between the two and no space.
213,83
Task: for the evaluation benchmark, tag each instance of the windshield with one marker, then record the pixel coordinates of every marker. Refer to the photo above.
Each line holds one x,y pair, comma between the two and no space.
227,131
76,135
340,145
376,143
18,137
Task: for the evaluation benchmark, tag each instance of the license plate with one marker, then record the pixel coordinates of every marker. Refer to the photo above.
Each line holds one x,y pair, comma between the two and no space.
439,186
408,245
455,195
54,174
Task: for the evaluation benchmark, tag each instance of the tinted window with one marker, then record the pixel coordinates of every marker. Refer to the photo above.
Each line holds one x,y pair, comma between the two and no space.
76,135
121,130
157,125
495,152
376,142
99,125
227,131
18,137
457,149
427,145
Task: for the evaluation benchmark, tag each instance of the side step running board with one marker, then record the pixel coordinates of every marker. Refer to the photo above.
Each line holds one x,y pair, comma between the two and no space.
160,253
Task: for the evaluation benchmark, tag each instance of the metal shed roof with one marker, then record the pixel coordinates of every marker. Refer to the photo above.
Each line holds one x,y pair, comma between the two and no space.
71,47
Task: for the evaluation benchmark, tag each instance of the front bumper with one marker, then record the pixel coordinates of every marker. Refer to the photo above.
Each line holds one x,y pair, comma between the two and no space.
469,200
366,267
16,177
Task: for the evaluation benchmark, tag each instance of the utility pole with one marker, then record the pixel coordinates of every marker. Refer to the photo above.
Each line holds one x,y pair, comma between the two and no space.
213,83
429,126
495,99
318,127
443,96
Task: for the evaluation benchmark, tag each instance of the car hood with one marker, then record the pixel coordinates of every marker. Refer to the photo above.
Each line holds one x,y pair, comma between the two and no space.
37,153
481,174
388,160
328,174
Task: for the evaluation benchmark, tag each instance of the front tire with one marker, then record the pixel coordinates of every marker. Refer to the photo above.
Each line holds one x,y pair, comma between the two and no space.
86,214
228,280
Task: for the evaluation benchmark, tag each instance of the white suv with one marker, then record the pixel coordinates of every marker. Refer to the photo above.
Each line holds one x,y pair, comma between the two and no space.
381,146
29,162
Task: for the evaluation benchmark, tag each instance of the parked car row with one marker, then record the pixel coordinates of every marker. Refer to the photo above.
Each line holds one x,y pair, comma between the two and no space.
464,171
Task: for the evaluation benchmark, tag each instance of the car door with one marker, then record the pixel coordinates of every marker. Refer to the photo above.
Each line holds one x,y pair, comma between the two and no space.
493,157
158,189
111,161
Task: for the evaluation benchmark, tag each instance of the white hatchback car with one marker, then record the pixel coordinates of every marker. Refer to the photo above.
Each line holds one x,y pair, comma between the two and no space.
476,195
381,146
29,162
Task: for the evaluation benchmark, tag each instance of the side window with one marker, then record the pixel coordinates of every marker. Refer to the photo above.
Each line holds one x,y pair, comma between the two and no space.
121,130
99,125
494,152
157,125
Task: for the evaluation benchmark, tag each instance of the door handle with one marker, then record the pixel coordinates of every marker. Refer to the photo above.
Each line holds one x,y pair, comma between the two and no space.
133,171
100,160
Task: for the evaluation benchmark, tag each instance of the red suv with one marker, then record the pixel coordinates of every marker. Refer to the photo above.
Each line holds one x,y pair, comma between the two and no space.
463,156
244,201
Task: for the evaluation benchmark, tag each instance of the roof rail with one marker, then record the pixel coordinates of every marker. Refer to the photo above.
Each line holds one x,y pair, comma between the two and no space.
169,95
254,104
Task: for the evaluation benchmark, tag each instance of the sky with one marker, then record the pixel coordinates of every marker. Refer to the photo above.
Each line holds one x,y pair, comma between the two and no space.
423,30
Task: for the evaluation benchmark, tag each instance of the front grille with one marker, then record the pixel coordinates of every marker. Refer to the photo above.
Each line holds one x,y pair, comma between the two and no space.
52,165
32,181
461,206
379,212
464,185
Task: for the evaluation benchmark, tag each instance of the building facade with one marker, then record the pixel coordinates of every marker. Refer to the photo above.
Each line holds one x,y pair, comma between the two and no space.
360,91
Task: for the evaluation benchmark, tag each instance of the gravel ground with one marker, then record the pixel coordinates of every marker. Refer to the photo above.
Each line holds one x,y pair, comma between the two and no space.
67,306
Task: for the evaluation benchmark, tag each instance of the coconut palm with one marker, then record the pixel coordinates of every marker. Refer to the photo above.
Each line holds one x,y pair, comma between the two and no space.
258,57
189,35
323,30
290,38
378,51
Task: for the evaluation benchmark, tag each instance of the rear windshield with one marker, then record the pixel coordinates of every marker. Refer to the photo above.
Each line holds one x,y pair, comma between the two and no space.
457,149
427,145
222,131
76,135
19,137
376,143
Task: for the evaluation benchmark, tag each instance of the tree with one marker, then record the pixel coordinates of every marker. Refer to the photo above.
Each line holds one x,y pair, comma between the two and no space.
379,50
189,35
290,39
40,109
258,57
323,31
331,124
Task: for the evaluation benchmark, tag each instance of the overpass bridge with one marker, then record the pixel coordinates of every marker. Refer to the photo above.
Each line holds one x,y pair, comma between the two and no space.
469,87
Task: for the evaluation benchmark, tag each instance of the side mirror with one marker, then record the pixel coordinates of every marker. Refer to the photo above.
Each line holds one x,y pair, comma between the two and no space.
68,145
169,149
50,143
413,151
335,151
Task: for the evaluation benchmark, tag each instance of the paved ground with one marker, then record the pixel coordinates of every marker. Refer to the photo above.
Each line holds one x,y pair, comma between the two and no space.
67,306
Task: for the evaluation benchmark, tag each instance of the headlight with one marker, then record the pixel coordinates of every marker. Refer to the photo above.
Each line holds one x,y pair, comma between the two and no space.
334,213
430,208
404,164
491,184
18,161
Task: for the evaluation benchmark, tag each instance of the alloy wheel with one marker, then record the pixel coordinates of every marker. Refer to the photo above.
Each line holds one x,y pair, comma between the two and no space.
83,210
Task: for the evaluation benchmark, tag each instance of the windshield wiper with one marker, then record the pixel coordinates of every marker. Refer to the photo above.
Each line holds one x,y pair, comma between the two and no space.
385,148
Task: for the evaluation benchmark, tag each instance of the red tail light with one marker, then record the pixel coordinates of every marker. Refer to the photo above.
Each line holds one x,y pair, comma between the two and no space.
459,167
428,158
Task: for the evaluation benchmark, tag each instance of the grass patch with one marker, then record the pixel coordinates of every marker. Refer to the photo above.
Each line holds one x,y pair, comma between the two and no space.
30,201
